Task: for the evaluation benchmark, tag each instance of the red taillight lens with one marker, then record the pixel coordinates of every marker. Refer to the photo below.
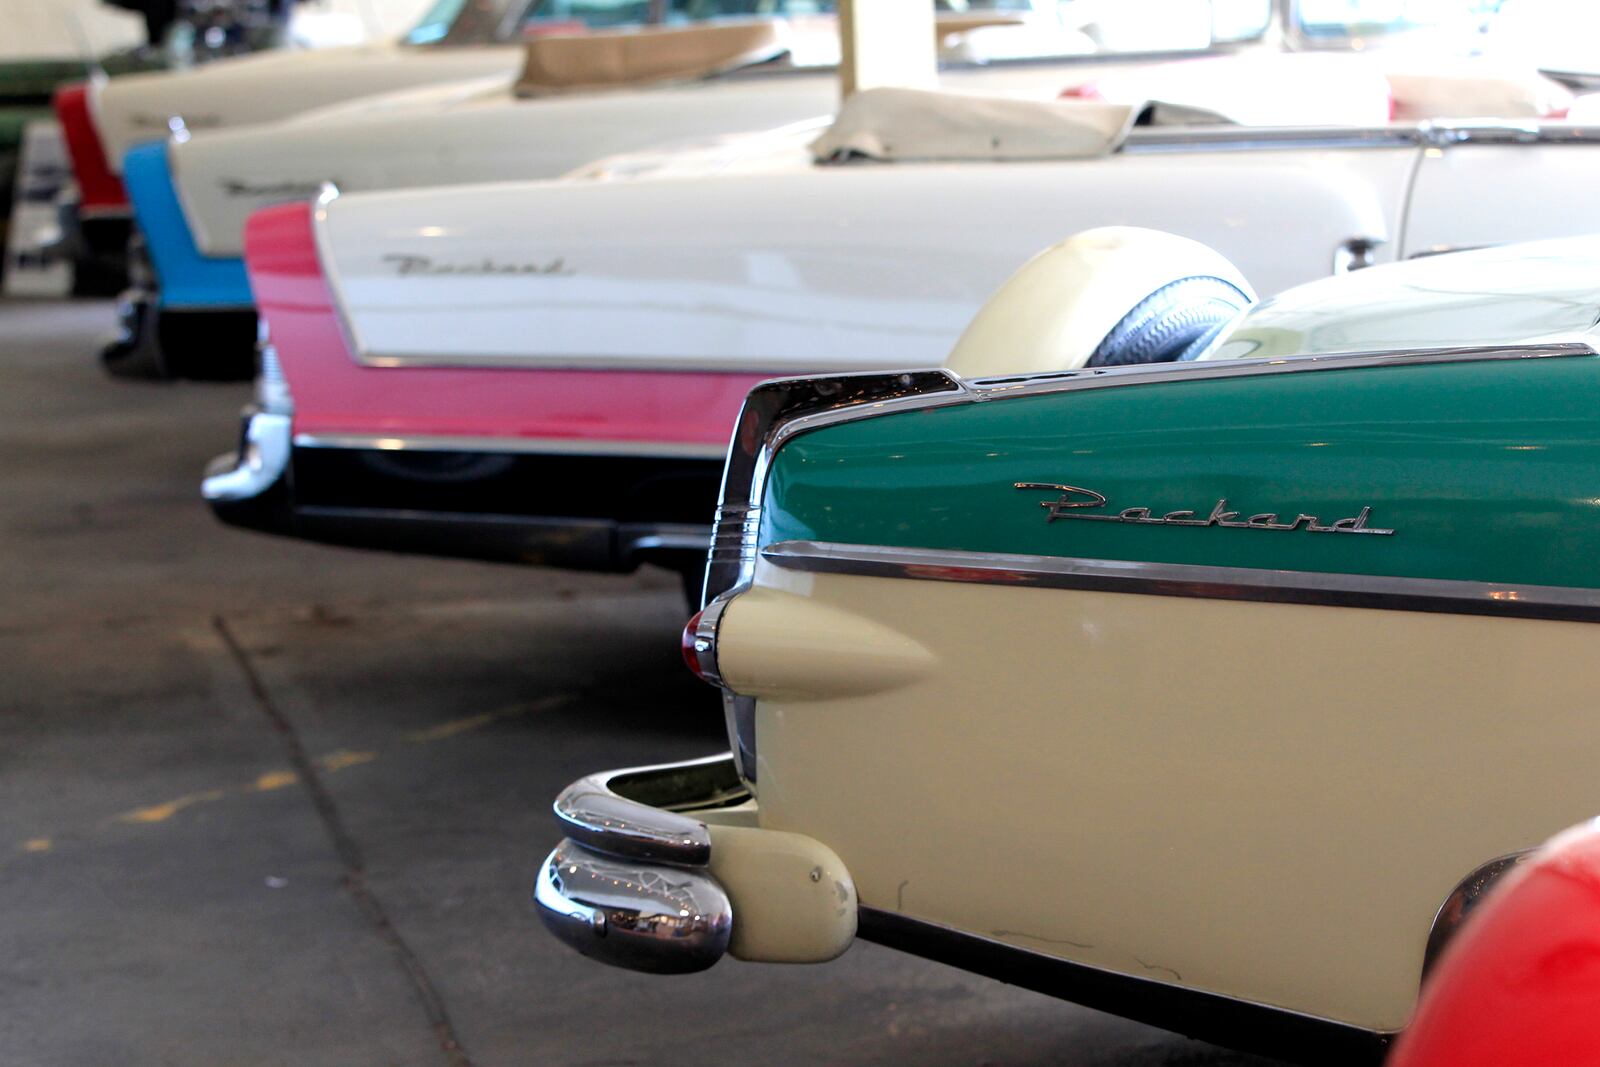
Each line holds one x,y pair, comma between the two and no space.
691,652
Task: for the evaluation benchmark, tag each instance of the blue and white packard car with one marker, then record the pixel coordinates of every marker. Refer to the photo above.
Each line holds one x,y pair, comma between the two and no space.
1191,690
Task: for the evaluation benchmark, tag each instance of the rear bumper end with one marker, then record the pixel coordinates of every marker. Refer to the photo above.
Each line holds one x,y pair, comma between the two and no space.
664,871
188,315
248,487
462,504
200,344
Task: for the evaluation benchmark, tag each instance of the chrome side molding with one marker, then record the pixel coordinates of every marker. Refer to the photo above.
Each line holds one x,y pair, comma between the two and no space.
1384,592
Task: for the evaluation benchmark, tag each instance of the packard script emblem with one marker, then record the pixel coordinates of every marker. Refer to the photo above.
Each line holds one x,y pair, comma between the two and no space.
1072,502
409,264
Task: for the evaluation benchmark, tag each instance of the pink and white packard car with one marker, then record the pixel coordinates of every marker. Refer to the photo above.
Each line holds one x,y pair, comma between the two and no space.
548,372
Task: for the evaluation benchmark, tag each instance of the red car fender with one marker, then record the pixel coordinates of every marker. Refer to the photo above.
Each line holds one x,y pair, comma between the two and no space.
1520,984
99,190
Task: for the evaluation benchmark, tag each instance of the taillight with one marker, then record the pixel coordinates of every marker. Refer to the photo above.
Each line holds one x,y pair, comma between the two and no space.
692,646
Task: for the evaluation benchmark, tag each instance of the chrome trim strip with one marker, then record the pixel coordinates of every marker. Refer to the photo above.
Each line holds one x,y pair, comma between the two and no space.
1463,899
1435,134
1143,140
1186,580
707,623
774,412
565,446
1205,370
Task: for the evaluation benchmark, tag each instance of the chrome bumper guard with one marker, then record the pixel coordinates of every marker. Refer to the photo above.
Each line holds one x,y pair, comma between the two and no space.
261,459
630,885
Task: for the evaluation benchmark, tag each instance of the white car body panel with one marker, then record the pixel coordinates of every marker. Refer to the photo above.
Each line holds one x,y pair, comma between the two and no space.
462,133
480,131
1495,194
65,29
806,268
139,107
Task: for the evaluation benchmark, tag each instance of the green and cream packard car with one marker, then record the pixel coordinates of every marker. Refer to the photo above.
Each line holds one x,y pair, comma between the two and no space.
1209,690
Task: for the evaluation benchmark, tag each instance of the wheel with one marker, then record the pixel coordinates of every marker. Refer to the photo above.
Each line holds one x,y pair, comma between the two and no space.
1105,297
1176,322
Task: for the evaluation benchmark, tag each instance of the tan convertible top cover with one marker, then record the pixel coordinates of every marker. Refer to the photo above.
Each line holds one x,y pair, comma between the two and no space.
640,56
919,124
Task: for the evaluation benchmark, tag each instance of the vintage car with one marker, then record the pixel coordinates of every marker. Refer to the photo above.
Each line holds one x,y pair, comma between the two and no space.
102,120
1517,987
190,312
64,42
549,372
1195,674
44,47
573,102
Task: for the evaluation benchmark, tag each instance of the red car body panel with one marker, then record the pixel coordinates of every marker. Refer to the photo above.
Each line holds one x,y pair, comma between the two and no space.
1520,984
99,189
334,394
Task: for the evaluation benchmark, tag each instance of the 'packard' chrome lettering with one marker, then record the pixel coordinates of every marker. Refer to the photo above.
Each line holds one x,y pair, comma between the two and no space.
409,264
1072,498
288,189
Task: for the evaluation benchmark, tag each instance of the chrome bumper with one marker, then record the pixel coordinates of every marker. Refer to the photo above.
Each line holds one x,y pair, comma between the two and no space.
630,886
261,459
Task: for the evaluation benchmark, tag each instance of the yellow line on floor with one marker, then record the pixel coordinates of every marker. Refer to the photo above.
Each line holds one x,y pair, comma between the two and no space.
333,761
164,811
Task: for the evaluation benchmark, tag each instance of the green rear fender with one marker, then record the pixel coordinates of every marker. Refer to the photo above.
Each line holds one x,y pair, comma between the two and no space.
1485,471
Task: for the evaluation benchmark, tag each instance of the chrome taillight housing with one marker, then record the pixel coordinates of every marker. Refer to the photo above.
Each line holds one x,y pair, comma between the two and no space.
773,413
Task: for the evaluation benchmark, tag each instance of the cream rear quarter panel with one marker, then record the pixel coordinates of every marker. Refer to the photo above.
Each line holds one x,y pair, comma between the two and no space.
1264,801
805,268
235,92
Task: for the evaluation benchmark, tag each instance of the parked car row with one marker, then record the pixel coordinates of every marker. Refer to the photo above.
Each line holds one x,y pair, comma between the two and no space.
1189,620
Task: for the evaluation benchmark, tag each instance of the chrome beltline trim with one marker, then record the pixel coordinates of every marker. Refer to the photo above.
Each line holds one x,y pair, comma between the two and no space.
1434,134
566,446
1143,374
1186,580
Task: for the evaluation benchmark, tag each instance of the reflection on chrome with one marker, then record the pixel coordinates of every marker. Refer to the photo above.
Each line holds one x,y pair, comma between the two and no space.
659,919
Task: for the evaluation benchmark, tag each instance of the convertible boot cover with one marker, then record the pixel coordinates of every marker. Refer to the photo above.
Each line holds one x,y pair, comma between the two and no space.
635,56
920,124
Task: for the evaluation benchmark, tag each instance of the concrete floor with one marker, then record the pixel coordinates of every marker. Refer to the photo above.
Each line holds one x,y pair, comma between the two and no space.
264,802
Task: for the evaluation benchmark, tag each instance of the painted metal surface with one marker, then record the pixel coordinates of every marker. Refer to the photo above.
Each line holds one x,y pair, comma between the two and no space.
805,268
1172,742
334,394
267,86
1518,986
1542,292
1496,193
99,188
465,132
188,278
1181,759
1485,471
